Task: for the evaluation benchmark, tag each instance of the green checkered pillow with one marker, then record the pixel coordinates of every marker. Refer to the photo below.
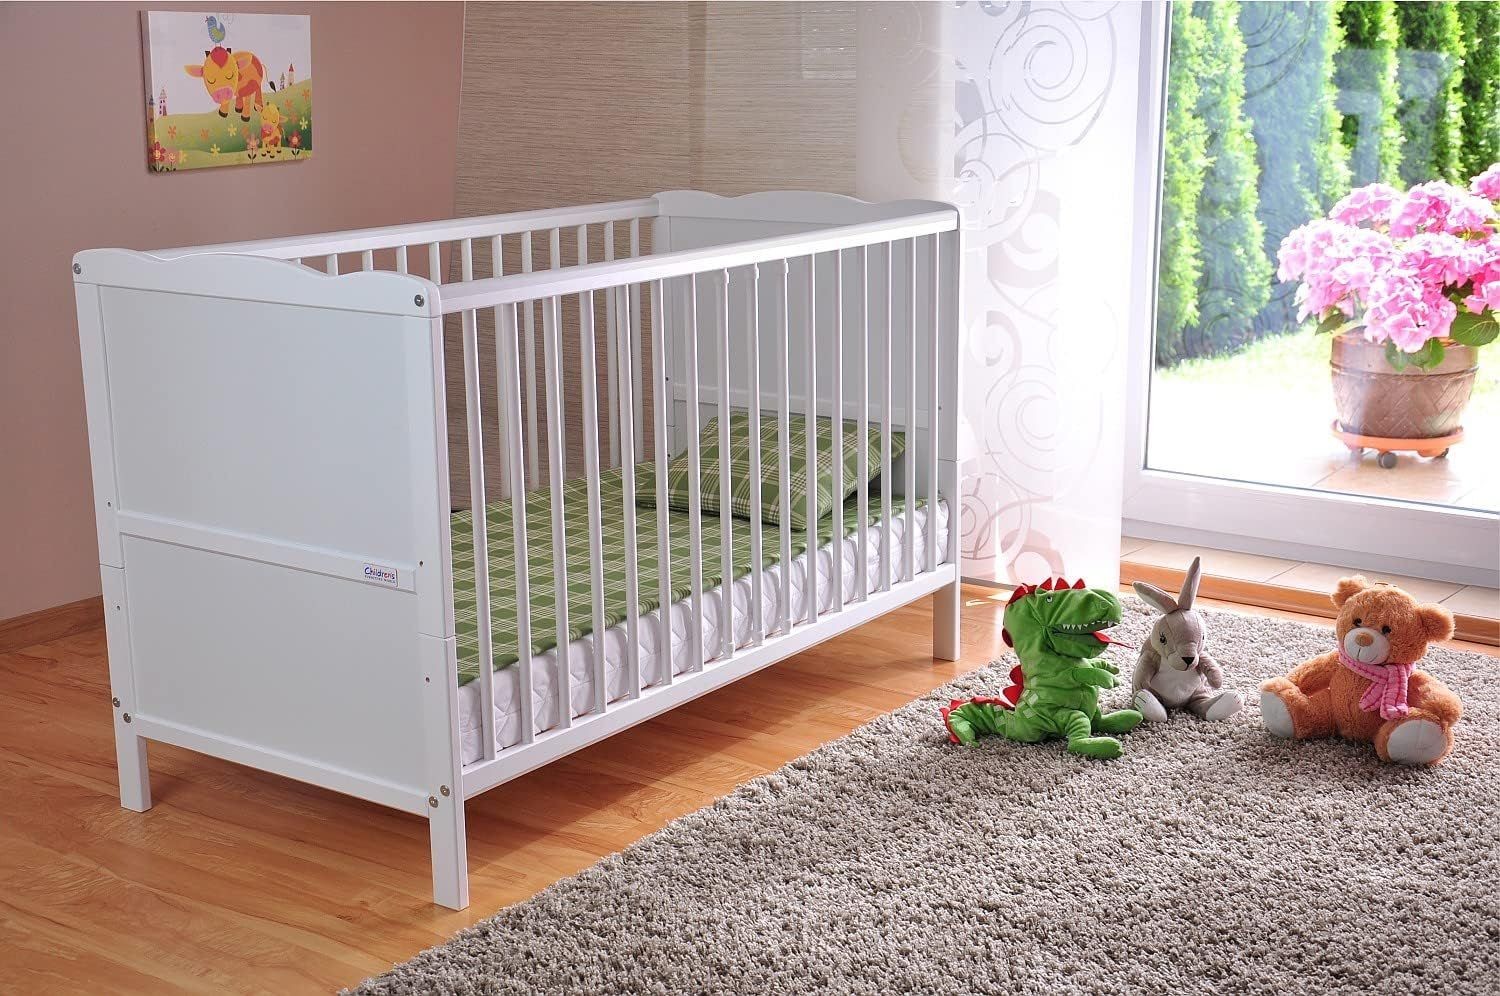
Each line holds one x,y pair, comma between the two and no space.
770,467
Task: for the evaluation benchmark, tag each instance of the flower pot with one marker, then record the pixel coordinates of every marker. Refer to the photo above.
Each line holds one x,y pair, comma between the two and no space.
1374,399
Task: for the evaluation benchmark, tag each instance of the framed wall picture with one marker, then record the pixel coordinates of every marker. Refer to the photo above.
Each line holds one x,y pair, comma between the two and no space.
227,89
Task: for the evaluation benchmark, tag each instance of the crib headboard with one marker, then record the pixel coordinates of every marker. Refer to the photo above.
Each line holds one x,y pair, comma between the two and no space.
271,497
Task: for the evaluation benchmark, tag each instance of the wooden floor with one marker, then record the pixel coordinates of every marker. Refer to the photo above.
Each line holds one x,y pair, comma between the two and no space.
238,881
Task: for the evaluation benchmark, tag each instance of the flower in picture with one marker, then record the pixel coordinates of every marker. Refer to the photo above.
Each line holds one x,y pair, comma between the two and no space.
231,128
157,152
303,123
295,140
171,131
214,149
181,156
203,134
171,157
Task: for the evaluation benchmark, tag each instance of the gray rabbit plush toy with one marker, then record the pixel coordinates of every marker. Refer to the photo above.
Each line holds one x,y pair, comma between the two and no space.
1174,670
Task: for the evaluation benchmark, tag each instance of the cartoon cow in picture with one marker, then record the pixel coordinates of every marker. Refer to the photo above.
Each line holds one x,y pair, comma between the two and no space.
270,129
232,76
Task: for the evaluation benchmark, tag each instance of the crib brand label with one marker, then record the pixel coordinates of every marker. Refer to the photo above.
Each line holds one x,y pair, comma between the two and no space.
381,575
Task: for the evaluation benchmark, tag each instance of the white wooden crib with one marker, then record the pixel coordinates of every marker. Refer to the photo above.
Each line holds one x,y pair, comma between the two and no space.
271,445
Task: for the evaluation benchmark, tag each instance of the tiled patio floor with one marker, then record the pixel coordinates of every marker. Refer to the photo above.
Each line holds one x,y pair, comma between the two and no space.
1220,429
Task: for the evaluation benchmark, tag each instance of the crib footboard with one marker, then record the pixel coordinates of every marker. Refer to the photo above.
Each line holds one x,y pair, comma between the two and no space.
271,493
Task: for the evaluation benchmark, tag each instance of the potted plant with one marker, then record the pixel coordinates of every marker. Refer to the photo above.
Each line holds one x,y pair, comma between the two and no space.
1408,283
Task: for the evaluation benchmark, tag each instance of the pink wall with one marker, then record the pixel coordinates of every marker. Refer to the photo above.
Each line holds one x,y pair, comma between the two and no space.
73,176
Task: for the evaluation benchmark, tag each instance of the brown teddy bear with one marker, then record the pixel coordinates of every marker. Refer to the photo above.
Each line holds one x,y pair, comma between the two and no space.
1369,689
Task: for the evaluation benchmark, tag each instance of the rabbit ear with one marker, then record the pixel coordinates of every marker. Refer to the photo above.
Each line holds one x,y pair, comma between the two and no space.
1189,585
1155,597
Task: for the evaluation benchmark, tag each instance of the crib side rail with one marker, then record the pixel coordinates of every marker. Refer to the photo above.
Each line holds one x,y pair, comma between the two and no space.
858,321
389,237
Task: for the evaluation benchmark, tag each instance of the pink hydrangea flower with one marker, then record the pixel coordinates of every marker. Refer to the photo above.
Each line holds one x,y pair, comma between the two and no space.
1439,207
1368,203
1426,253
1487,184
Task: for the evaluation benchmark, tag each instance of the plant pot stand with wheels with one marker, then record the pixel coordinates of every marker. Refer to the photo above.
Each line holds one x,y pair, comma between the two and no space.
1387,447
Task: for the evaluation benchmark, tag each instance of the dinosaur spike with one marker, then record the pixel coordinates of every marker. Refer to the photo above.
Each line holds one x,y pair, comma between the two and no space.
1079,583
1005,635
1045,585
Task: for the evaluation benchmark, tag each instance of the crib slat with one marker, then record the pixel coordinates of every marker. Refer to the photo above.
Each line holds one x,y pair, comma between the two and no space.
663,533
862,428
784,443
401,264
331,264
551,334
478,523
812,440
726,487
934,295
695,475
510,396
909,488
836,426
757,540
638,413
434,263
590,392
367,260
533,445
611,363
627,480
887,479
497,268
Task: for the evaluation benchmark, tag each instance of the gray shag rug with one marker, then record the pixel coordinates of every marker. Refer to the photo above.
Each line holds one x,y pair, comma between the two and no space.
1210,858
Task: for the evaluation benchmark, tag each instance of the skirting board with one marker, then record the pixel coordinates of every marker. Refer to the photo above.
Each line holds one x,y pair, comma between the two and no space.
1262,594
50,624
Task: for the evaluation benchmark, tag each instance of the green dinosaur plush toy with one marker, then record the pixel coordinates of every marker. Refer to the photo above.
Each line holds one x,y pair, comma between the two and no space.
1057,631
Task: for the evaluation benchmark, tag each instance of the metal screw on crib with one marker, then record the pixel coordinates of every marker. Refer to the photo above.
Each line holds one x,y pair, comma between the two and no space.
420,300
77,268
432,801
443,789
115,702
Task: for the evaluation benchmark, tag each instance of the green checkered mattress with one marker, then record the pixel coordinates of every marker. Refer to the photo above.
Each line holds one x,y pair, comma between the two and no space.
580,594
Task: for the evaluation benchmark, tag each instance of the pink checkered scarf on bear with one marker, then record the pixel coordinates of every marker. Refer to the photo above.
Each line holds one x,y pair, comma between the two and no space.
1387,691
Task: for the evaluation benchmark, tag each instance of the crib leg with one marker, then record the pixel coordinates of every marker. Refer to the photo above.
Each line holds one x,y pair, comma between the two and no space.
947,604
135,775
450,854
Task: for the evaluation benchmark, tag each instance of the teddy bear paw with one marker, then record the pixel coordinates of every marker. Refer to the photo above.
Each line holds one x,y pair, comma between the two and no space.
1417,741
1276,716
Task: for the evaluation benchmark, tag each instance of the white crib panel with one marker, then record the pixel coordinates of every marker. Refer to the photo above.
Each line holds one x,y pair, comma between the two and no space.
218,405
315,675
